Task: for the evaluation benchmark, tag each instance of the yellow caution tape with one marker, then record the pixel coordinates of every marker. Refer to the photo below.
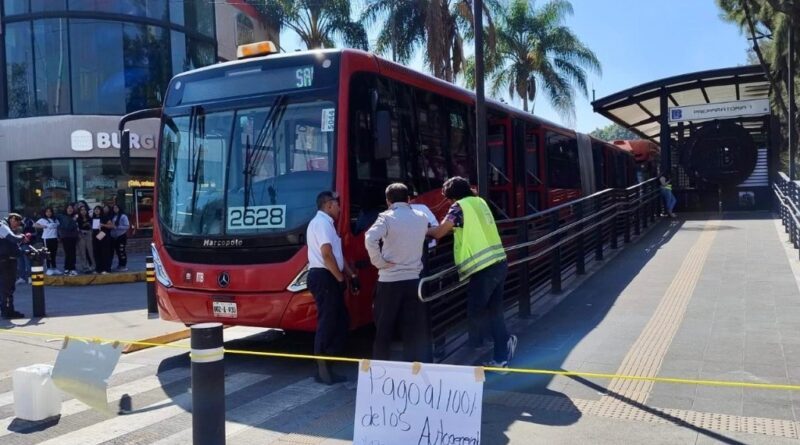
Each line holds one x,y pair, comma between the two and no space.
724,383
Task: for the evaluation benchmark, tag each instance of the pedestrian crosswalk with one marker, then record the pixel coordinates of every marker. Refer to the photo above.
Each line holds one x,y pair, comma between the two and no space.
161,412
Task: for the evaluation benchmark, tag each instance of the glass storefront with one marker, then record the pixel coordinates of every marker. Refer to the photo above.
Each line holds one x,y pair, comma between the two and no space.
94,63
98,181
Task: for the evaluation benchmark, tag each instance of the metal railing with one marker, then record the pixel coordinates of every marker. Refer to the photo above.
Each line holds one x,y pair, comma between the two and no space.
787,193
544,250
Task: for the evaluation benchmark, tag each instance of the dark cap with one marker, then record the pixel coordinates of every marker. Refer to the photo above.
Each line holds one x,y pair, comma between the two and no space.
325,197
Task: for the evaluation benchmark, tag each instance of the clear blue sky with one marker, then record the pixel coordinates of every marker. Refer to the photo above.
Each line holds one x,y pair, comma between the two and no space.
638,41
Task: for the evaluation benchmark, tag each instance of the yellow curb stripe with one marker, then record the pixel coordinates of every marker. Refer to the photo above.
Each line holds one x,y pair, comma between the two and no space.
157,340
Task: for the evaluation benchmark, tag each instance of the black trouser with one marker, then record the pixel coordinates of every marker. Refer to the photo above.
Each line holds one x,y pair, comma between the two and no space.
52,249
8,276
119,247
102,253
397,302
332,318
70,246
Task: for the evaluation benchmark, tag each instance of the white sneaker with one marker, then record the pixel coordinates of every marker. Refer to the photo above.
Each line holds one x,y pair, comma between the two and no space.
494,364
512,347
122,269
57,272
20,281
103,273
49,272
73,273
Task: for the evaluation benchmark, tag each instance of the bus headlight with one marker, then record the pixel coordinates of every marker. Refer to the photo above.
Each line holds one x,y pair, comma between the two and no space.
300,281
161,272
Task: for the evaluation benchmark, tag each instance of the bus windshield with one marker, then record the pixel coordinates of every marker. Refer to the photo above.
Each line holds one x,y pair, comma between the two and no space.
246,171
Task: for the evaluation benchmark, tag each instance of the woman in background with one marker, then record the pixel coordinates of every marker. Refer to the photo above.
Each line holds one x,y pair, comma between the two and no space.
119,236
49,226
68,234
85,248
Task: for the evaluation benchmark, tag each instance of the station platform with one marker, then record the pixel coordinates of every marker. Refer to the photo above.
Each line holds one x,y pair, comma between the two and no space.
704,296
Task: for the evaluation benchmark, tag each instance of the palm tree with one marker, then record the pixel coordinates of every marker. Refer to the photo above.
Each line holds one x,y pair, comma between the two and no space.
403,30
318,23
536,51
443,25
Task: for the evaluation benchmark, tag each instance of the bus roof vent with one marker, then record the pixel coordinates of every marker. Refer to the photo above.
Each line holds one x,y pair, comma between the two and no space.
256,49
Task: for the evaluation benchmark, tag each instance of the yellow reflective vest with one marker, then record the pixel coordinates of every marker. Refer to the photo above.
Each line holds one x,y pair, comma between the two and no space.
477,244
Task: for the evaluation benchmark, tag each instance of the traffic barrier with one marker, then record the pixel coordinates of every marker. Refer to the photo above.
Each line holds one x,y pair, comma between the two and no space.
37,287
218,352
208,384
150,272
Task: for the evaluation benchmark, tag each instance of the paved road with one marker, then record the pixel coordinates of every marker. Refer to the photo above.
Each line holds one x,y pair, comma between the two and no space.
690,299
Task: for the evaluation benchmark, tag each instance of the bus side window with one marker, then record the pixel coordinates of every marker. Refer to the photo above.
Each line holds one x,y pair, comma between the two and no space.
461,146
430,152
563,170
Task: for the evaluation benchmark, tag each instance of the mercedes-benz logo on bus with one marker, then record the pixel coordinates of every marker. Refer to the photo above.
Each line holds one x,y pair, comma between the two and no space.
223,279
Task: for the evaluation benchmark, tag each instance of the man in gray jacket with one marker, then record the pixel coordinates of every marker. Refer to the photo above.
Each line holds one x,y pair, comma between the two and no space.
395,242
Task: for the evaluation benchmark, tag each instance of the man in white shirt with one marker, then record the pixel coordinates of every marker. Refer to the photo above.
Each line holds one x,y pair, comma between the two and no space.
326,281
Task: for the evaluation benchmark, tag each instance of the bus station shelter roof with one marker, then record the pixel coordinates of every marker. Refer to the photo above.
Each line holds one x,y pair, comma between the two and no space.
641,108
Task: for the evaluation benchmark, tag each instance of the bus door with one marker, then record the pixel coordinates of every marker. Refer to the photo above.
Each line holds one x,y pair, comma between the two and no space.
527,162
501,181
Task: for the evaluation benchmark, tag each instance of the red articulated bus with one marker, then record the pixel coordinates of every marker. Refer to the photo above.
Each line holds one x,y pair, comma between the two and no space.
247,145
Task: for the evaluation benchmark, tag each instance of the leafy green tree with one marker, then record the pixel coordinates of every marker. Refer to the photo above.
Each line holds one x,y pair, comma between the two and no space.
613,132
441,26
318,23
537,51
766,24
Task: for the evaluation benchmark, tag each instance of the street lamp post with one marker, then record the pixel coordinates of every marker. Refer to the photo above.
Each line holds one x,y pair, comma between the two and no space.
792,139
480,103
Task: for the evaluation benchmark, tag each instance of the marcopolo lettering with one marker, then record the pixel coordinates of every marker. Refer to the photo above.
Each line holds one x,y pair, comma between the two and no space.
83,140
223,243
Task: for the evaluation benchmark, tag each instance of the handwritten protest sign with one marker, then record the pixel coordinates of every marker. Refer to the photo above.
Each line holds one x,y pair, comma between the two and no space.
406,404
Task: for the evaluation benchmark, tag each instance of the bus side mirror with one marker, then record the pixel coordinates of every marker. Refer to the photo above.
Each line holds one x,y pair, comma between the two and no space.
125,151
383,135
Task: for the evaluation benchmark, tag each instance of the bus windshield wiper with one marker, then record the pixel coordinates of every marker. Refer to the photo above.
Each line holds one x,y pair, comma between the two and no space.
197,130
256,154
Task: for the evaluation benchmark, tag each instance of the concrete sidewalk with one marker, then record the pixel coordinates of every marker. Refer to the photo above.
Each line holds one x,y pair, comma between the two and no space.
117,311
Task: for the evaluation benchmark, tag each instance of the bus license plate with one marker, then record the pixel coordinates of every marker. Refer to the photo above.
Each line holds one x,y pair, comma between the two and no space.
224,309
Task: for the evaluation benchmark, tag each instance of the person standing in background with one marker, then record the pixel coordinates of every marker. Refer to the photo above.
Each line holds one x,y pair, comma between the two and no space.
666,193
23,262
85,252
49,225
119,236
9,251
68,234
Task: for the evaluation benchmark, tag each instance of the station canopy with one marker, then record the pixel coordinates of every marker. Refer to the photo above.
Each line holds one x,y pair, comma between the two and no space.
640,110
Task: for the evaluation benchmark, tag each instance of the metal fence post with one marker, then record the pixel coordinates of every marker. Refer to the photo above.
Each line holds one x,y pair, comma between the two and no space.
37,286
150,275
626,223
615,221
208,385
598,247
637,212
580,255
524,297
555,258
644,205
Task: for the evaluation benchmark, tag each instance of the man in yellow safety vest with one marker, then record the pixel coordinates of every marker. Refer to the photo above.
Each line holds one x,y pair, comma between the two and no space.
479,257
